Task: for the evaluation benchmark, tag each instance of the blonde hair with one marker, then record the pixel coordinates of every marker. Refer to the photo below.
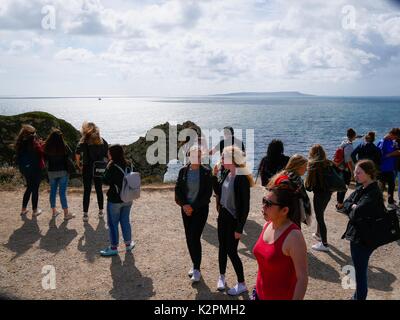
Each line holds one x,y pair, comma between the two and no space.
90,133
238,159
295,163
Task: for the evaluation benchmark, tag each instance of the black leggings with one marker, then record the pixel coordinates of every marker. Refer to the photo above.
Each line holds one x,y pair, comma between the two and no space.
194,226
228,245
388,178
88,180
321,200
33,179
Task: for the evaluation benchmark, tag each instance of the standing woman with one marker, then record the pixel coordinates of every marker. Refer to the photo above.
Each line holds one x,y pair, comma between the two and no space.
281,251
273,162
193,191
91,148
233,200
29,154
57,155
118,212
292,174
318,166
364,204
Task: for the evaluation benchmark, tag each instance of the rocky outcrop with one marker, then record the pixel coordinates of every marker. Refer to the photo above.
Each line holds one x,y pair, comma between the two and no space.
42,121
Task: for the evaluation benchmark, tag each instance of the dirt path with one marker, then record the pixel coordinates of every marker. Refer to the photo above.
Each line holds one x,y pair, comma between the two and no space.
158,267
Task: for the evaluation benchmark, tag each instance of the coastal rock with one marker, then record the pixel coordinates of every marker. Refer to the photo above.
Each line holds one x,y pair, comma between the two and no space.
42,121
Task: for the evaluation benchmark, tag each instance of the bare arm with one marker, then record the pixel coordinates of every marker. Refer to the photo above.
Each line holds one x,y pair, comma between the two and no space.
296,248
394,154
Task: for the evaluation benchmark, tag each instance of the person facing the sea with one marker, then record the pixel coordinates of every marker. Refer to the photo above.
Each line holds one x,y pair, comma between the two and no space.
363,205
118,212
273,162
281,250
232,189
193,191
30,161
367,150
318,166
388,147
294,170
346,166
57,155
92,148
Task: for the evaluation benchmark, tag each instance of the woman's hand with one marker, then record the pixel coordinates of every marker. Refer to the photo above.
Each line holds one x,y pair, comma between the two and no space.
354,206
237,235
187,209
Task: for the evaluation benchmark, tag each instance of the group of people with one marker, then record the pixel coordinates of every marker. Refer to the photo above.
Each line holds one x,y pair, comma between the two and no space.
281,250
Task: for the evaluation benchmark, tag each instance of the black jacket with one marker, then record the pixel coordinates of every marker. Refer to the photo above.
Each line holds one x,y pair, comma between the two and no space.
242,197
114,177
205,188
367,151
370,205
92,152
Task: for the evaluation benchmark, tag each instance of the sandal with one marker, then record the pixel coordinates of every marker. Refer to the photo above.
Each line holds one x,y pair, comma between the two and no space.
56,214
69,217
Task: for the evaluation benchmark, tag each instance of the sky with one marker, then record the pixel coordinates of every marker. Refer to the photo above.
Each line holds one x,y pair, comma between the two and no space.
187,47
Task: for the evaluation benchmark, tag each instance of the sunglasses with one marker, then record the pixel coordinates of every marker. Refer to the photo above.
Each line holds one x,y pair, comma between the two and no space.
268,203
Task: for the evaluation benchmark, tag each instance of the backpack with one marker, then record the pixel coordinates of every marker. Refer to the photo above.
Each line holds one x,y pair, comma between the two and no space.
338,157
130,185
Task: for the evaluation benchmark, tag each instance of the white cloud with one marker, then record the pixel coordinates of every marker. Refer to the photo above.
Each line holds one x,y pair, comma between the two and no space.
74,55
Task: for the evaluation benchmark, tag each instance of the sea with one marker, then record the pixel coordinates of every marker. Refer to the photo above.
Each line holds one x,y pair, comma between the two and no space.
299,121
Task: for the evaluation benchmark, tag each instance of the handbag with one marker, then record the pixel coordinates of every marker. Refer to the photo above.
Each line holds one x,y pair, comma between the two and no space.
334,180
382,230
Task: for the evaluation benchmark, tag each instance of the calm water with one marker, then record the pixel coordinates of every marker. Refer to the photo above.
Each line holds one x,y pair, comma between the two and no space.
298,122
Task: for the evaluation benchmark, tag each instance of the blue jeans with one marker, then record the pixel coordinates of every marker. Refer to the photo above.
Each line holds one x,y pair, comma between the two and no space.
360,255
118,213
62,184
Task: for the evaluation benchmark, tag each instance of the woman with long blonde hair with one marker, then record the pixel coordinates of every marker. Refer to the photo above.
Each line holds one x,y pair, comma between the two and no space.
233,198
318,165
92,148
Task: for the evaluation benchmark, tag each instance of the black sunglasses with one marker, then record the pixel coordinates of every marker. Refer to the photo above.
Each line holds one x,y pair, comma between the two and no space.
268,203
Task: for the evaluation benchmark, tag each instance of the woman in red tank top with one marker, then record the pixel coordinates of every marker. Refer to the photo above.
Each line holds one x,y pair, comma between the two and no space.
281,250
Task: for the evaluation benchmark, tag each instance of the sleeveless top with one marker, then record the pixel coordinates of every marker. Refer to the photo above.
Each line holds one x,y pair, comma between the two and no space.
276,278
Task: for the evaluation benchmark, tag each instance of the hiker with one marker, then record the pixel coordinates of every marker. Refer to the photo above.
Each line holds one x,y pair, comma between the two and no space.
30,161
389,150
318,166
57,155
281,251
229,140
193,191
92,150
118,211
364,204
294,170
367,150
233,198
344,162
273,162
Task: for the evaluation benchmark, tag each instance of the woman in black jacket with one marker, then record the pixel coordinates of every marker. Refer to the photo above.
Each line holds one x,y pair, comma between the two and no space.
364,205
233,200
57,154
193,191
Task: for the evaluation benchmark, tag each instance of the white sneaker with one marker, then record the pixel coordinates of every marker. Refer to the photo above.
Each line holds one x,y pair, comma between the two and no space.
37,213
221,283
101,214
85,217
320,247
196,276
238,289
190,273
316,237
130,247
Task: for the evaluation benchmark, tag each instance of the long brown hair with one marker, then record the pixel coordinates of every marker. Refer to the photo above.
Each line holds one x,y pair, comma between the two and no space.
90,134
55,144
368,167
317,161
118,155
25,139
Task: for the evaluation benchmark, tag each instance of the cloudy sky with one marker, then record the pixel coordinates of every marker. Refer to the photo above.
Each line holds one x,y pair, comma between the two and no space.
185,47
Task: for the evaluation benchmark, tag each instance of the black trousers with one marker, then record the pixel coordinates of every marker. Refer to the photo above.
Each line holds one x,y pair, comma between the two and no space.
320,201
88,179
194,226
388,178
341,195
228,245
32,179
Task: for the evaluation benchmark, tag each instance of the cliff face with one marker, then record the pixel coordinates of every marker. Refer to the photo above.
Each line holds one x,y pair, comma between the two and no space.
42,121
